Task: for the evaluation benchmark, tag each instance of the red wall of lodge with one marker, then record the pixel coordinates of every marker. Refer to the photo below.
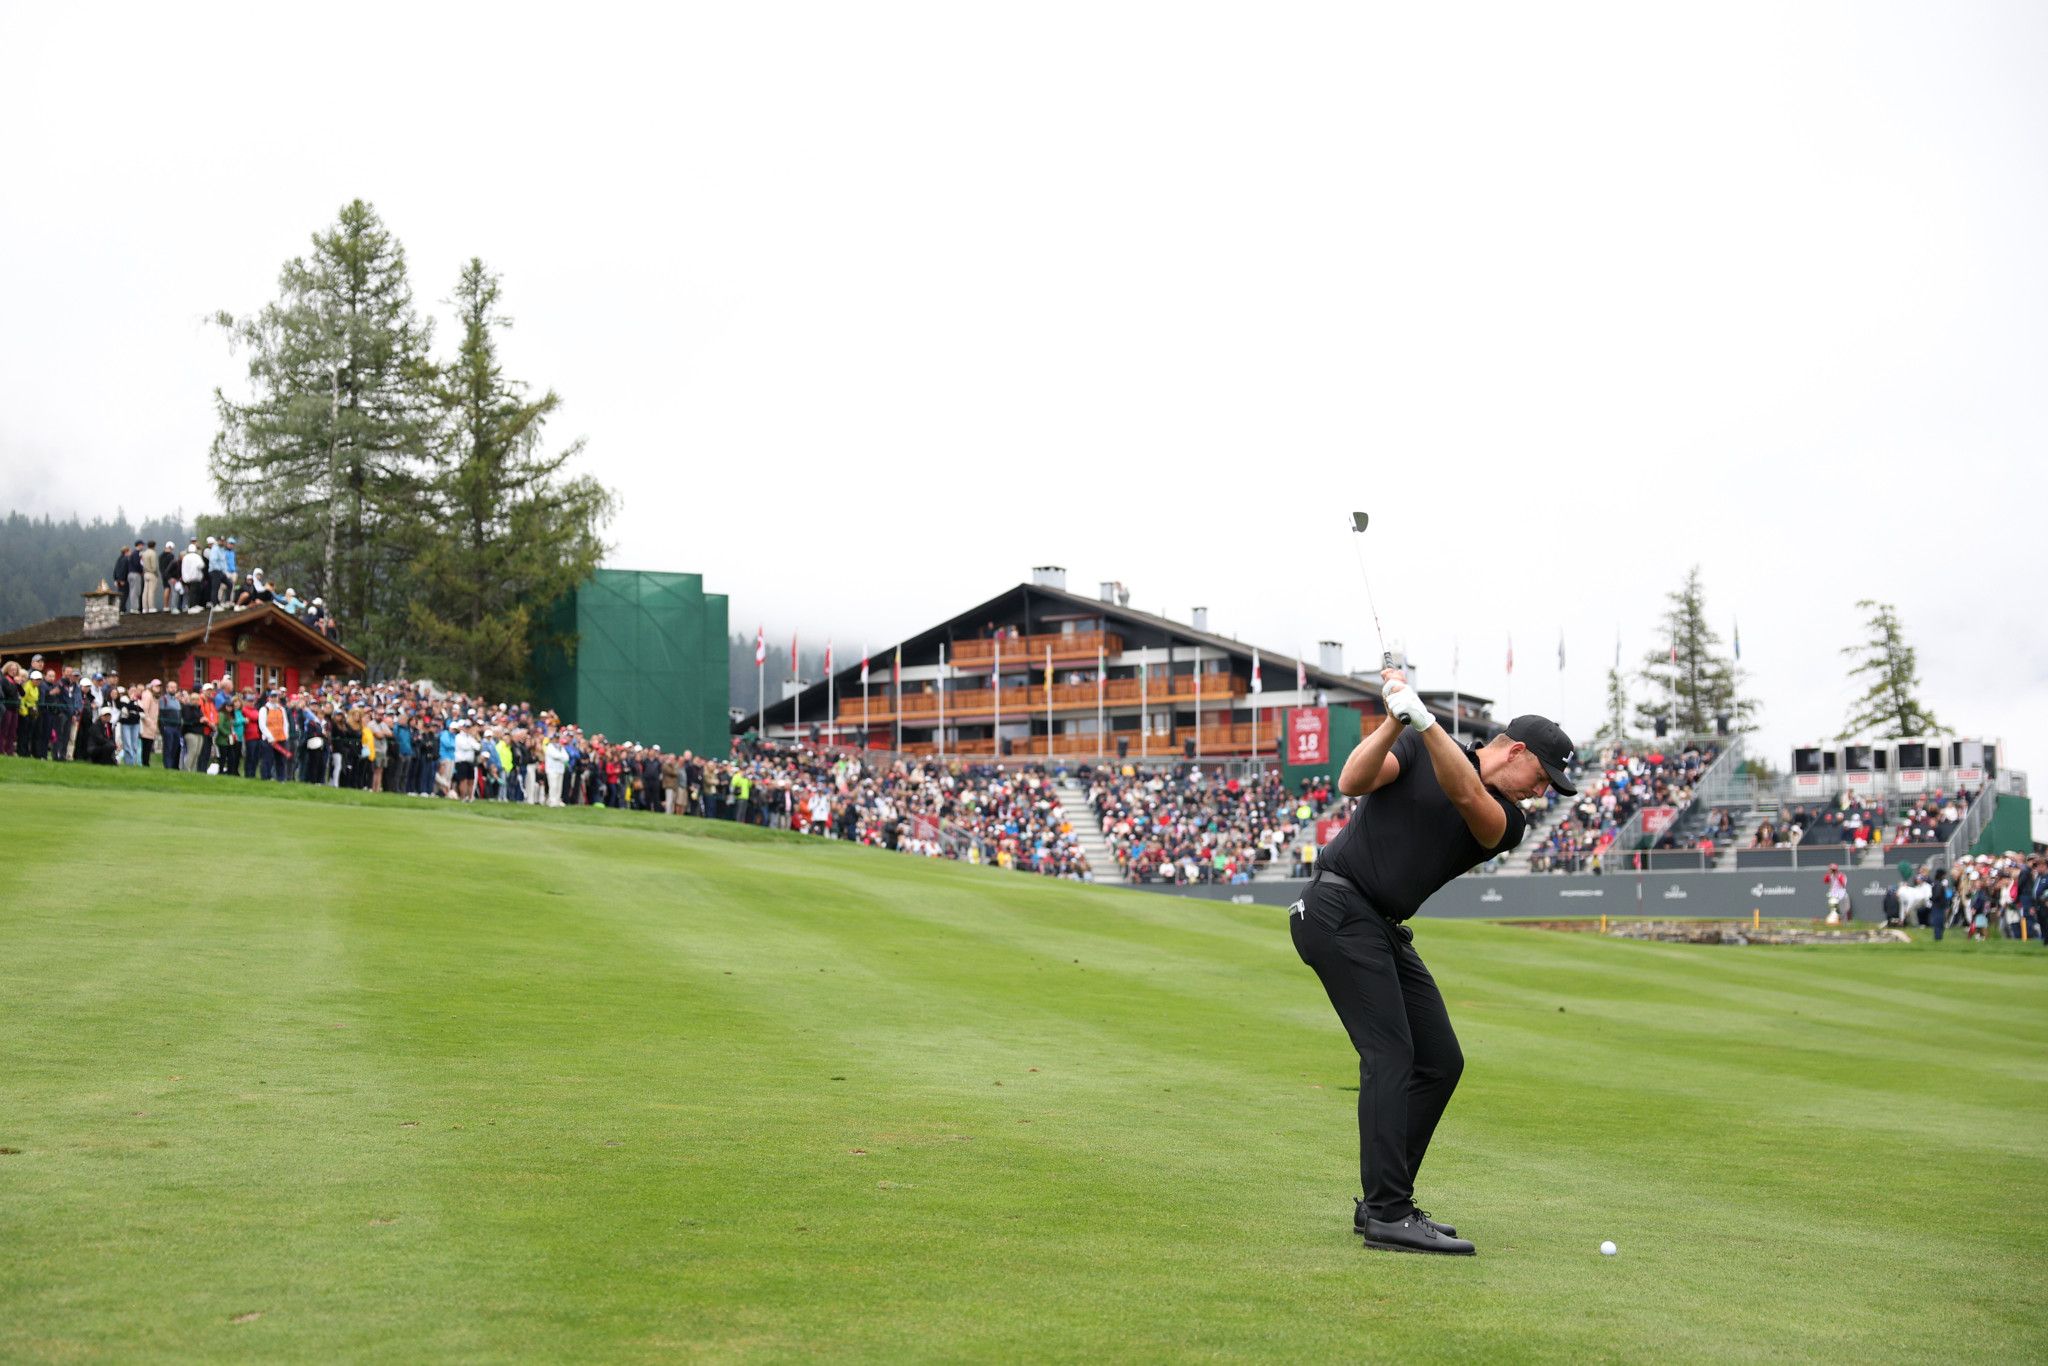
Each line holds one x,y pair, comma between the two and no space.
187,666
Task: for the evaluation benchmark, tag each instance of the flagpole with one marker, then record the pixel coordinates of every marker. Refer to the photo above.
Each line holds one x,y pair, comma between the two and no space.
796,699
942,699
831,715
995,683
1456,734
1101,741
896,677
761,693
863,698
1144,709
1257,688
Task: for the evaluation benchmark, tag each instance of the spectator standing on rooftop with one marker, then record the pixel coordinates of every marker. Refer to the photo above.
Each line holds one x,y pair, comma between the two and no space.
192,575
167,561
152,578
123,562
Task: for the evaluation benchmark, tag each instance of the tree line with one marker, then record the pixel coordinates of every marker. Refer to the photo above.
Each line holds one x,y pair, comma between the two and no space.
1691,685
45,564
418,495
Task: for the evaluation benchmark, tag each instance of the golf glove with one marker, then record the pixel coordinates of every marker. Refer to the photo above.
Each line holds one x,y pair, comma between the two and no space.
1402,702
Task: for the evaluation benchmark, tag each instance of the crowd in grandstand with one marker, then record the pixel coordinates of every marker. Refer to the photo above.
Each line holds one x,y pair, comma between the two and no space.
1611,790
1185,826
1863,823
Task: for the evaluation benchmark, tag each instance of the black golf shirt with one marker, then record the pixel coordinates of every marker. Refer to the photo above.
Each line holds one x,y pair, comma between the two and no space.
1405,840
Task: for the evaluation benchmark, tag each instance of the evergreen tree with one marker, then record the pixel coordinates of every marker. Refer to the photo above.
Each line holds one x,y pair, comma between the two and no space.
1614,724
504,532
323,463
1890,709
45,565
1690,681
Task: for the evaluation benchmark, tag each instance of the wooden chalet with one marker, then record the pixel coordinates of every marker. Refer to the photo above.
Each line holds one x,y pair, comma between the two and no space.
261,646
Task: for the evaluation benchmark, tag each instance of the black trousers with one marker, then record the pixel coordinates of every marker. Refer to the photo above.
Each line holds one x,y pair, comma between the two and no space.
1408,1056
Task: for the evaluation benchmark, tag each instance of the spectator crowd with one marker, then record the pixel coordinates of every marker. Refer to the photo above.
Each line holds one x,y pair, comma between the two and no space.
412,739
149,577
1187,826
1612,788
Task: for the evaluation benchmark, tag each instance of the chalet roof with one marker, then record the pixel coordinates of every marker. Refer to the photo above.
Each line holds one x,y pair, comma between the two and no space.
780,710
67,634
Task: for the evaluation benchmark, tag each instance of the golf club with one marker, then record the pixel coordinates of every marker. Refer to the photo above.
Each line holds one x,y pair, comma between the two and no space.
1358,523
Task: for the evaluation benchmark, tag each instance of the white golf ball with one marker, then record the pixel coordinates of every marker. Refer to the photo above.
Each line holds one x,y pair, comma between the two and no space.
1608,1249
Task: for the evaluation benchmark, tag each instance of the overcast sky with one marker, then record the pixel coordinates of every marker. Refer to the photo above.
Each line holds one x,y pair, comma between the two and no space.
866,309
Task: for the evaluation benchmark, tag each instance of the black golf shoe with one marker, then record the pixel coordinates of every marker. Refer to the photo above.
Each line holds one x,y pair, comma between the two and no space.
1413,1234
1359,1216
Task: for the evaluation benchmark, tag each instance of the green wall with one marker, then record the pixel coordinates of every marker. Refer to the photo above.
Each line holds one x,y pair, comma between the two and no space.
648,664
2010,829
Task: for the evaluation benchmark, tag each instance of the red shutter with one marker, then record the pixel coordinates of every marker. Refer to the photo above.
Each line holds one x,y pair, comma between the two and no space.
216,669
291,682
245,675
185,674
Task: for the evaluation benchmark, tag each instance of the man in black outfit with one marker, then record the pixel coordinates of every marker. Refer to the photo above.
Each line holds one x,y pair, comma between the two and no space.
1428,810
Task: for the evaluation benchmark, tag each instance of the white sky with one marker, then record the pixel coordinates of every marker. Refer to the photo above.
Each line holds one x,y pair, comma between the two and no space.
866,309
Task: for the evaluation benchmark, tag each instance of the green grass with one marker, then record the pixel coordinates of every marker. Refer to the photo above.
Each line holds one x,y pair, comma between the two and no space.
413,1083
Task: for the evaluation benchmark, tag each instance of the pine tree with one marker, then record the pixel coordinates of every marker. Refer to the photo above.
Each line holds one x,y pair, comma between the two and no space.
1891,708
1614,725
504,532
322,464
1690,681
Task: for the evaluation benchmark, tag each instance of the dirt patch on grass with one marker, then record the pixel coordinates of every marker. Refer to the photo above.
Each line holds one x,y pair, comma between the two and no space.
1723,931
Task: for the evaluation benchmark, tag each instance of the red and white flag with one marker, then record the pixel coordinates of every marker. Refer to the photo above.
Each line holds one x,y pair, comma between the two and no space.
1511,654
828,656
793,670
863,666
1300,672
760,645
1257,685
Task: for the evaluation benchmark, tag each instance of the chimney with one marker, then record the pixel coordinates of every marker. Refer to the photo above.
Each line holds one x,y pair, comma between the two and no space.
1049,576
1330,656
1201,619
1109,590
102,610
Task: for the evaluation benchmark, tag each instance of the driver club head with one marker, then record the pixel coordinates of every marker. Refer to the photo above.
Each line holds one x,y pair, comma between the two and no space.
1358,521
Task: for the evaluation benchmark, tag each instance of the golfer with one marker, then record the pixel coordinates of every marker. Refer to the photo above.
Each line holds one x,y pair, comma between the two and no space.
1428,809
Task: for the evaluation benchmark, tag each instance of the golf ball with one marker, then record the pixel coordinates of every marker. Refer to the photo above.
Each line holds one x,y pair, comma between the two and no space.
1608,1249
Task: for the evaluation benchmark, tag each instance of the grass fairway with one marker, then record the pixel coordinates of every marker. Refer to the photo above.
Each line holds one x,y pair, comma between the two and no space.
380,1079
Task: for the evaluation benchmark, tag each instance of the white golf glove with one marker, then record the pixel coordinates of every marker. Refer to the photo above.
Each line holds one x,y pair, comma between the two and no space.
1402,702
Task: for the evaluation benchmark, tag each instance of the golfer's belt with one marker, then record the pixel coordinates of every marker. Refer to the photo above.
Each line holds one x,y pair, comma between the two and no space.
1407,935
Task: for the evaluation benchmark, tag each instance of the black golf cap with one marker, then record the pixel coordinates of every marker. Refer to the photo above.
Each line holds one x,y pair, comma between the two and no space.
1548,742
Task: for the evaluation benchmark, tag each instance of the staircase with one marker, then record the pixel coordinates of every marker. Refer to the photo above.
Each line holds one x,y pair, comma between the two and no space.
1074,798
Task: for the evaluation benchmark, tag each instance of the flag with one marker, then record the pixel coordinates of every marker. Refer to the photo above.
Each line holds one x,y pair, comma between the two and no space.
1048,664
1300,673
1674,652
1257,685
793,670
760,645
1738,640
863,666
1560,651
1511,654
896,670
1617,651
828,656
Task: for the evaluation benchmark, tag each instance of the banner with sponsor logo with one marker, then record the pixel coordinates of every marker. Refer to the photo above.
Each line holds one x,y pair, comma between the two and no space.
1656,818
1912,780
1308,735
1327,828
